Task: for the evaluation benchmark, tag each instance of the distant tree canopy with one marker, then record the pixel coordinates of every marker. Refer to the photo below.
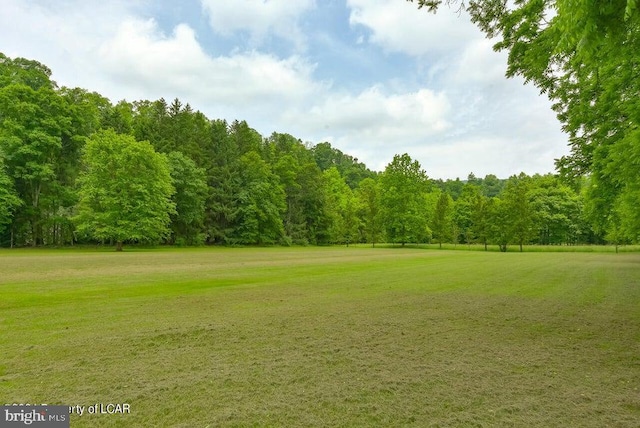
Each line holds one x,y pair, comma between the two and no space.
75,168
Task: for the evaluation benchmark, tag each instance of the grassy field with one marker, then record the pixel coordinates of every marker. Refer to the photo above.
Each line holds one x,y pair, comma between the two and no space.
324,336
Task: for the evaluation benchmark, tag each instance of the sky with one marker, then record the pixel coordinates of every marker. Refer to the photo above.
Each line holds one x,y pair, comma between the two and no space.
374,78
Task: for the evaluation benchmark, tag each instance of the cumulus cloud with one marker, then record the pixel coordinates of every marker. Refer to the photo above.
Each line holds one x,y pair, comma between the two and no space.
479,64
63,35
373,125
259,18
374,114
398,26
141,56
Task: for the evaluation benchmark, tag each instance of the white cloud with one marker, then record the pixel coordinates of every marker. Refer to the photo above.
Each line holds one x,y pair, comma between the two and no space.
141,56
374,125
106,48
260,18
373,115
480,64
63,35
398,26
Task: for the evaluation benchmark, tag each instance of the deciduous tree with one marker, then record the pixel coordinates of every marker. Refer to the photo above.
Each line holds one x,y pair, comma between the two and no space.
480,219
368,194
35,132
9,200
517,208
556,211
125,191
402,188
463,211
305,218
584,56
442,218
261,203
340,208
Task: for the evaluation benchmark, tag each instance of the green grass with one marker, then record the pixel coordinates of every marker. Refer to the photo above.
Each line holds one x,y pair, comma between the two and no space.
324,336
526,248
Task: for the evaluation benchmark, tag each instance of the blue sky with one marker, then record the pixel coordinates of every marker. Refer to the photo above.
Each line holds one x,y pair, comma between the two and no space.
373,77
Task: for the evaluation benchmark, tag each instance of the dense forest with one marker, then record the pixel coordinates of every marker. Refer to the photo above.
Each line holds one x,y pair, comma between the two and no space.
75,168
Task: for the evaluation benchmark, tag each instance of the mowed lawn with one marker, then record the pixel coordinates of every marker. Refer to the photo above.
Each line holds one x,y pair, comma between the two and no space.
324,336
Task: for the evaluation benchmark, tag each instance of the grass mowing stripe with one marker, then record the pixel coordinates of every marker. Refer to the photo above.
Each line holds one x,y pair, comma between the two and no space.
325,336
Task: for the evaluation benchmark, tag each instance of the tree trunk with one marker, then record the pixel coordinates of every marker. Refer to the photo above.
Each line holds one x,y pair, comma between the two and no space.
119,246
34,233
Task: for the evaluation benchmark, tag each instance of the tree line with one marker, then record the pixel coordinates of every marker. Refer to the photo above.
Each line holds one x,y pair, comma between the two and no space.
75,168
585,57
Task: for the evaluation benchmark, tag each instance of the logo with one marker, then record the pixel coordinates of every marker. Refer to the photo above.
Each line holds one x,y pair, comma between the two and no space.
34,416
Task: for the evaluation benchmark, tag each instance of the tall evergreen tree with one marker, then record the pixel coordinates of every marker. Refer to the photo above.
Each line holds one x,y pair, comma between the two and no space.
224,181
189,181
